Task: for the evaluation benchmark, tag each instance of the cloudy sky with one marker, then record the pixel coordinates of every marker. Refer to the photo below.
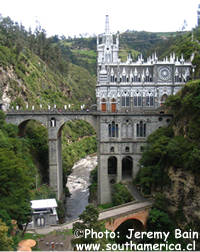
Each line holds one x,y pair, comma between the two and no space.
74,17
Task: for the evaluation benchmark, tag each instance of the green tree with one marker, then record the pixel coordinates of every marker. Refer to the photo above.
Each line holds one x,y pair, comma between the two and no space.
89,221
15,186
120,195
6,242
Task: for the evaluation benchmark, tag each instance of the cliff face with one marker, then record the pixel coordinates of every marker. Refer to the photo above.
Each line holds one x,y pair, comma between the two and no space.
183,192
171,160
29,80
183,196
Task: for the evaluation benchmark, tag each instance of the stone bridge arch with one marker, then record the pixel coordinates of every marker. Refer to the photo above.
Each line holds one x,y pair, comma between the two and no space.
55,126
21,119
22,125
115,222
53,121
60,121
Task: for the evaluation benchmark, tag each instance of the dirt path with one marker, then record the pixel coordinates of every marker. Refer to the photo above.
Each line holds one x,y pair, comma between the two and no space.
56,240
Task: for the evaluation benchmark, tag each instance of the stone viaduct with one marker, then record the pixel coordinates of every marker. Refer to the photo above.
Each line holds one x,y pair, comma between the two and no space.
53,121
120,154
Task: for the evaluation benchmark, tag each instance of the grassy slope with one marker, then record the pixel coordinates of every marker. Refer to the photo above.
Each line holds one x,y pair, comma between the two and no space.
27,78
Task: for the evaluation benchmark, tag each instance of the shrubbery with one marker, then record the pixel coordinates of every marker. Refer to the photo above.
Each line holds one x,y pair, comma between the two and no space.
165,149
120,195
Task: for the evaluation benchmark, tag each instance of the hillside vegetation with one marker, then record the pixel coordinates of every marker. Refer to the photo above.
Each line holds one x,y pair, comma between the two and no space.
171,161
36,70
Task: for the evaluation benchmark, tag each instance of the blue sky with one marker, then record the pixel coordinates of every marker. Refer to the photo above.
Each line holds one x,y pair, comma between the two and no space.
74,17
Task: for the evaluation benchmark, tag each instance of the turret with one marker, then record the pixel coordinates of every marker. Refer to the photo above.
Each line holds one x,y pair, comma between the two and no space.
106,48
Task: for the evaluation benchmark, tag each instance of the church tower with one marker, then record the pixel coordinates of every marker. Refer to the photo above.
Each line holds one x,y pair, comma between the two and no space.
129,97
106,48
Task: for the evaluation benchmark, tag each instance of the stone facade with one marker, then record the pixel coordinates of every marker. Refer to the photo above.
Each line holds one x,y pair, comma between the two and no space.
126,86
129,97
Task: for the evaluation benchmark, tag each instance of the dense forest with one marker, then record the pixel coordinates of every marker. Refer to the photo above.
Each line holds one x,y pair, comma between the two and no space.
36,69
170,165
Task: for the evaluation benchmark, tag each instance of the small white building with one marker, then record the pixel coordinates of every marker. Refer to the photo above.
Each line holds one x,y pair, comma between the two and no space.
44,212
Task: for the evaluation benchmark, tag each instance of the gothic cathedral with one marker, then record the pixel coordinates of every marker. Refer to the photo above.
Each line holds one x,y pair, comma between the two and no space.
129,100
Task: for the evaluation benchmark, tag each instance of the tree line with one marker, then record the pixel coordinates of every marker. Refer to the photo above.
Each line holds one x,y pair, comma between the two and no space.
15,36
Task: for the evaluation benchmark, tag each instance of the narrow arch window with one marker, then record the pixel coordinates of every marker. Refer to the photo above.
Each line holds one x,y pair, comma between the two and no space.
147,78
53,122
113,130
127,129
112,149
103,105
112,78
137,101
150,100
123,78
112,165
127,149
125,101
141,129
176,78
113,105
127,167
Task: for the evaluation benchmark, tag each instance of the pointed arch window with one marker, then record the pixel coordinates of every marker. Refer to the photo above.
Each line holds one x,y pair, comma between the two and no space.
137,100
112,149
113,129
127,129
53,122
113,105
112,78
176,78
112,165
127,149
141,129
147,78
103,105
123,78
125,100
149,100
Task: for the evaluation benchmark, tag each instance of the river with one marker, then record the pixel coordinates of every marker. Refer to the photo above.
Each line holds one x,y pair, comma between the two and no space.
78,182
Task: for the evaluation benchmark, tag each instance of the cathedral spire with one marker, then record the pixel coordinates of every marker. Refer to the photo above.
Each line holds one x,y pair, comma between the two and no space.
107,25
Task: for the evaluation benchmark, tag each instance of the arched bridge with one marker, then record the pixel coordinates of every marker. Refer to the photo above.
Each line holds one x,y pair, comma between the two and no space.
120,139
116,216
53,121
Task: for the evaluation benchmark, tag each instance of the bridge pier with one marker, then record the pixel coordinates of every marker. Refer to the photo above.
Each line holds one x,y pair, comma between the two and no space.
55,165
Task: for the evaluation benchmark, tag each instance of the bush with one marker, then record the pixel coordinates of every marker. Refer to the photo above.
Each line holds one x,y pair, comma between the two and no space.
120,194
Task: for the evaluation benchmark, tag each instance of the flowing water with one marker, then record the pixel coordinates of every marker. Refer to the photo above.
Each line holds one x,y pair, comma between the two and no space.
78,182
